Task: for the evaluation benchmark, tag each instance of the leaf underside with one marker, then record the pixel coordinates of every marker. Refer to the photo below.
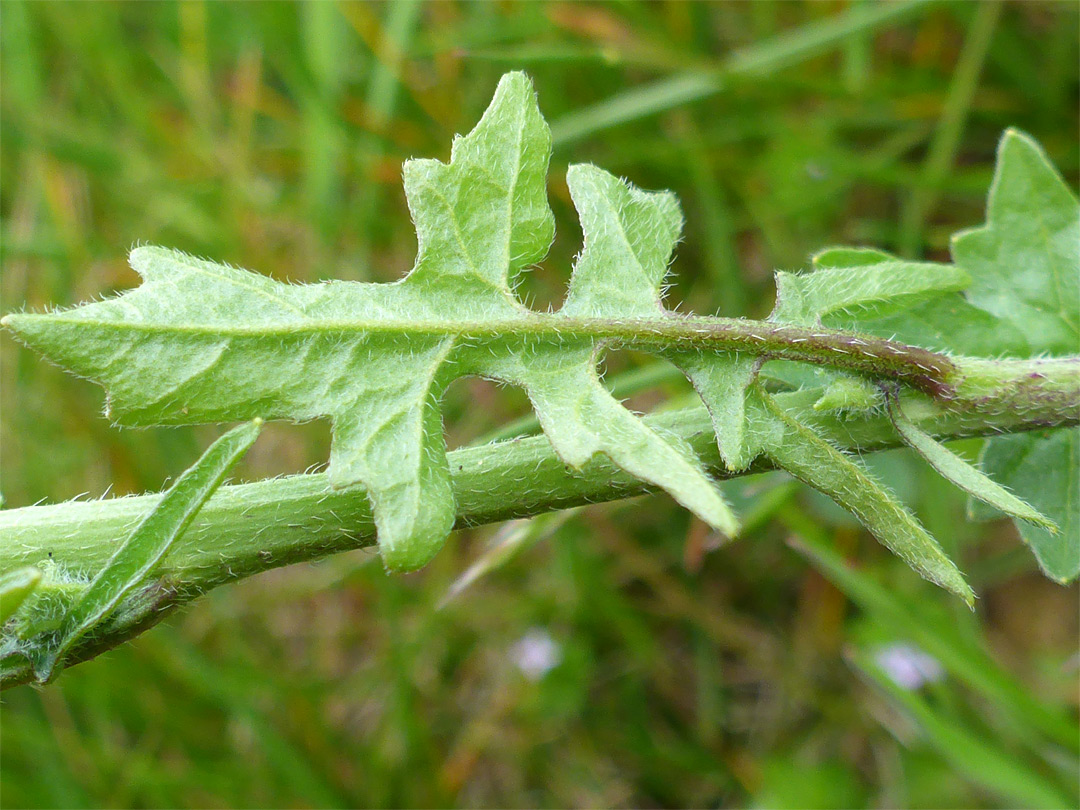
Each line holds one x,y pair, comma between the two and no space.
201,342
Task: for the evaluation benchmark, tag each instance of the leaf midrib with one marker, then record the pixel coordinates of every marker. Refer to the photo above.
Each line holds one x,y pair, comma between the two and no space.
819,345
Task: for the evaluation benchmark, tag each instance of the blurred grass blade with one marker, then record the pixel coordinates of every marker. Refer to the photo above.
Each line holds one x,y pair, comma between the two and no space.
325,50
147,544
637,103
228,686
382,90
779,52
506,544
943,148
964,475
994,768
719,248
14,588
940,636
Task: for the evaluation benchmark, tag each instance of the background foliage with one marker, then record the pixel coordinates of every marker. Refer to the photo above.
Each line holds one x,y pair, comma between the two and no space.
271,136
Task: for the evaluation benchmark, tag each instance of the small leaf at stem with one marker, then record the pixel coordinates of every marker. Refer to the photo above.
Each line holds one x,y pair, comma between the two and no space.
964,475
847,393
721,382
814,461
149,541
14,588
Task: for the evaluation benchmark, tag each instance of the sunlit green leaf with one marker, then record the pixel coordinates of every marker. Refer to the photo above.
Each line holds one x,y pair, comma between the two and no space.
1043,468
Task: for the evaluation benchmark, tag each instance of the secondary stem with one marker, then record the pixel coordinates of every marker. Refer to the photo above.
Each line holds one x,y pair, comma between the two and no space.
931,372
249,528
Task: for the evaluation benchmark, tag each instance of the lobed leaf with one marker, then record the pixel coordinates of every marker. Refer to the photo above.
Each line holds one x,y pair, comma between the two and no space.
201,342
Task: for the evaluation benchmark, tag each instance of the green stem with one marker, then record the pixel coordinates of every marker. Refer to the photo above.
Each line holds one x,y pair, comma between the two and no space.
928,371
249,528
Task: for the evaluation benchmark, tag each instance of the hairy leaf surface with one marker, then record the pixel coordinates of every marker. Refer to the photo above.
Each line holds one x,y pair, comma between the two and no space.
815,462
200,342
15,587
964,475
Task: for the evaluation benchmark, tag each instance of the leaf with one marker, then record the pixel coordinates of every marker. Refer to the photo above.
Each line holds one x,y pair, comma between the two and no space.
722,382
848,393
148,542
1024,301
43,610
955,469
879,287
946,322
483,217
15,587
200,342
804,299
1043,468
817,463
629,238
1025,261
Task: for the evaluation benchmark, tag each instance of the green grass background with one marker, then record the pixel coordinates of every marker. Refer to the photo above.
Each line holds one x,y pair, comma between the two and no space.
270,135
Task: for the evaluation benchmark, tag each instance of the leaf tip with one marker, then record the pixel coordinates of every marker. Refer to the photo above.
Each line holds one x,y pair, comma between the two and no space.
722,518
28,326
1045,523
953,581
1014,135
141,258
15,321
412,554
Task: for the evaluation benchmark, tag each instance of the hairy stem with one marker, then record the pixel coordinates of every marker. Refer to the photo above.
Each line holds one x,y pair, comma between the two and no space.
249,528
926,370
